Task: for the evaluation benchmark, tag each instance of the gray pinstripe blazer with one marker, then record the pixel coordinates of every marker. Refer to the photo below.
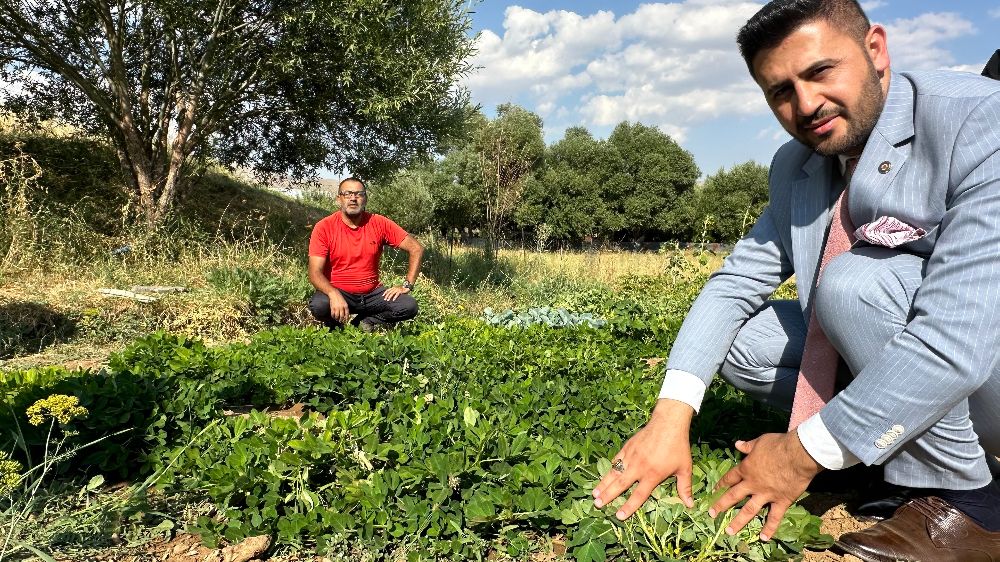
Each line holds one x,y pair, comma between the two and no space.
940,132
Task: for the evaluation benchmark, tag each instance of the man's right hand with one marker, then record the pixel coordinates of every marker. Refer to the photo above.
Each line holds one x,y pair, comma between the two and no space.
338,307
661,449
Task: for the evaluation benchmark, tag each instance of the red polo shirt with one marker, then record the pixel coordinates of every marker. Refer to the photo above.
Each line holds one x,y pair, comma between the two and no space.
352,254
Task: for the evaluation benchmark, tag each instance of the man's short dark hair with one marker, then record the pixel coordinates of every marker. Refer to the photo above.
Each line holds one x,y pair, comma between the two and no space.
779,18
351,178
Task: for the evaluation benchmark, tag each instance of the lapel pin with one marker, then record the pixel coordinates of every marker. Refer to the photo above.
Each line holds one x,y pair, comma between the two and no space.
884,167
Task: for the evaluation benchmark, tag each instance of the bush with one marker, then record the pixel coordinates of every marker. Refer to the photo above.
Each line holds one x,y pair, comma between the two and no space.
264,297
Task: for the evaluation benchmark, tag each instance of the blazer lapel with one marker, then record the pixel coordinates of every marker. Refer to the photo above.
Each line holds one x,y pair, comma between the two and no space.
885,153
812,200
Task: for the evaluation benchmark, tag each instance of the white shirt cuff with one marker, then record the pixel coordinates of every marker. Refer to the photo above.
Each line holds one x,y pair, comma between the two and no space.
684,387
823,447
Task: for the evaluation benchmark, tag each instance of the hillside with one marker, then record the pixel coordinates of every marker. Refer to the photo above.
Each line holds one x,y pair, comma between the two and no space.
66,231
80,178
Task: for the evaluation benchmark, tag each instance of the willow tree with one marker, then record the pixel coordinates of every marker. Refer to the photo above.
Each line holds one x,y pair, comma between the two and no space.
277,86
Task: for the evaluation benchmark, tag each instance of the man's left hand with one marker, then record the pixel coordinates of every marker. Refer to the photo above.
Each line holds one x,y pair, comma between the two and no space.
392,293
775,472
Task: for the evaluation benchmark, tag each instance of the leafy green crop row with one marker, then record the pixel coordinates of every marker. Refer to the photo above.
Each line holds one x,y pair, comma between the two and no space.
543,315
450,441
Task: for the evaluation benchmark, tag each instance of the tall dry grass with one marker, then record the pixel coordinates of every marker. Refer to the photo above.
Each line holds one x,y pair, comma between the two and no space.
603,266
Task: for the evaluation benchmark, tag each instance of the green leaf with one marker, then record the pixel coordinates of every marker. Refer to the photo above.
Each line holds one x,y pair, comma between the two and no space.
480,509
470,416
591,551
95,483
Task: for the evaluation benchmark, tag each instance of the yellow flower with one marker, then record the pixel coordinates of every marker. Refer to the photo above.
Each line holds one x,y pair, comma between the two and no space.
10,474
60,407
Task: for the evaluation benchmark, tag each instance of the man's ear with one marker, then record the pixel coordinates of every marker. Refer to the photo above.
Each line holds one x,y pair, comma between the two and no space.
877,47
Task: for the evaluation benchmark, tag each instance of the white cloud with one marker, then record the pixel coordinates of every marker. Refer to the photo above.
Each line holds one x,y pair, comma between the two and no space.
666,64
690,23
995,12
916,43
539,51
773,134
873,5
648,103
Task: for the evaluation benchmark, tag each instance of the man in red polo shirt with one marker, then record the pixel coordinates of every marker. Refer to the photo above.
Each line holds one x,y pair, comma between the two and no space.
344,253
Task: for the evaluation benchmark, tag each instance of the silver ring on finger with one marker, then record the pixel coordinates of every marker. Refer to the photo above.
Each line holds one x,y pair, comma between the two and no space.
618,465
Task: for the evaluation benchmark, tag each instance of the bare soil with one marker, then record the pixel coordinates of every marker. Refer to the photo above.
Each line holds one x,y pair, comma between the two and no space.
832,508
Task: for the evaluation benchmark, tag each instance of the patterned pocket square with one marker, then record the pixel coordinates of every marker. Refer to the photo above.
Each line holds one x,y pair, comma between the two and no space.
889,232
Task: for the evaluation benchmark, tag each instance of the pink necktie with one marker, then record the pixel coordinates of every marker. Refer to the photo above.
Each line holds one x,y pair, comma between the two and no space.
818,370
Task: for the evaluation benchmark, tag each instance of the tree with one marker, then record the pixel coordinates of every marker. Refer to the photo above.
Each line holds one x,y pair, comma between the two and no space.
456,181
510,149
456,189
735,199
645,175
279,86
565,195
405,198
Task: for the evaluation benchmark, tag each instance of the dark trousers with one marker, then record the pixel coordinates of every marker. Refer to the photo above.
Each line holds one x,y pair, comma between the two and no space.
371,306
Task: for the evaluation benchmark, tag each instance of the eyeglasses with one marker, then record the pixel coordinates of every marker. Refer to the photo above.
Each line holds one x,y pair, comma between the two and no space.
350,194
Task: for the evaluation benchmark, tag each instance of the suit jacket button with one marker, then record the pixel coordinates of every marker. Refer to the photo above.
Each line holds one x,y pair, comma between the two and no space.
885,167
898,429
881,443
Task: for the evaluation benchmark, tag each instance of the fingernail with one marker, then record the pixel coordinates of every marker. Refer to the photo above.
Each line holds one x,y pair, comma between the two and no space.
764,537
730,531
596,493
598,503
711,512
620,515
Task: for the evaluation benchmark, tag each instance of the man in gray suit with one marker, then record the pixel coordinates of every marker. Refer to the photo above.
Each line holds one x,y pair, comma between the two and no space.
911,308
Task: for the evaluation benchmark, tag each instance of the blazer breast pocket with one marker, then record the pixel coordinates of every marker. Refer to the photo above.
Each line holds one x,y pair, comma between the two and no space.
891,232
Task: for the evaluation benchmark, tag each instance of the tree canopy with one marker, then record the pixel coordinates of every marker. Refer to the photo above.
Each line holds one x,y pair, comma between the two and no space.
278,86
625,188
510,150
638,185
566,195
734,199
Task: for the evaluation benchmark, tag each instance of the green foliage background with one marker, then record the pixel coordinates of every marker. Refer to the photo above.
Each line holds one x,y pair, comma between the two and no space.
448,439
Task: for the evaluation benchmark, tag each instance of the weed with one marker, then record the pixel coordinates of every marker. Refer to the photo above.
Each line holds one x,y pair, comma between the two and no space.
263,296
19,233
58,411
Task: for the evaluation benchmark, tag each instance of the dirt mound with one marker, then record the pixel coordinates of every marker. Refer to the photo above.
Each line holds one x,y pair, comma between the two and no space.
188,548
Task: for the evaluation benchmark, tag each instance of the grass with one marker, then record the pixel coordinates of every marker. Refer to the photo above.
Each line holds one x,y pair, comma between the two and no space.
58,314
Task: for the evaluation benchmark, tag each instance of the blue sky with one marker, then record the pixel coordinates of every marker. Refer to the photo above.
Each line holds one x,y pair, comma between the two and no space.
675,65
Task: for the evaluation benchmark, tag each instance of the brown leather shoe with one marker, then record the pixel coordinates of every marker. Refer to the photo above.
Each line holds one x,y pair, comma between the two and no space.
927,529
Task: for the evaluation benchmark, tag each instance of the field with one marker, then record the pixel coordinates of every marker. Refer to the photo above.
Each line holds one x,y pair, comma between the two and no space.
222,413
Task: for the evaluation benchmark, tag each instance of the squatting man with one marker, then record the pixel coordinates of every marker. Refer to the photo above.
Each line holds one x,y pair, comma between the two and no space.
344,254
908,304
